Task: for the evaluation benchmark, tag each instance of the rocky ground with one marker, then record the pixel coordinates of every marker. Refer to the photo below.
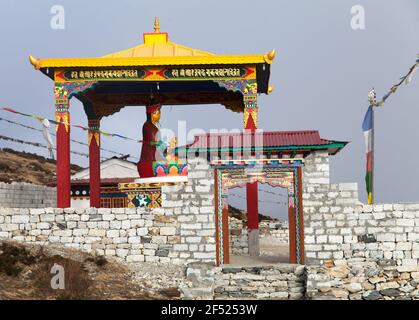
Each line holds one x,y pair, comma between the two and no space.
25,273
160,278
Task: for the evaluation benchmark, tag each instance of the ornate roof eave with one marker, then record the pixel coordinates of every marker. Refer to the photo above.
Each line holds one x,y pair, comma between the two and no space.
151,61
333,147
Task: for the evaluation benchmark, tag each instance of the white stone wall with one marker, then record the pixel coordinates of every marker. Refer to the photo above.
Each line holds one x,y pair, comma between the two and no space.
26,195
338,227
182,231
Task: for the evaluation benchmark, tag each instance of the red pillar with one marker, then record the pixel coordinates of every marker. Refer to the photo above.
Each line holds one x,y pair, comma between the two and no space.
63,159
63,91
252,206
94,162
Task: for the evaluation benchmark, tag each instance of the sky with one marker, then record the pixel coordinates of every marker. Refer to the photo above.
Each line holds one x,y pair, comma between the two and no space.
322,74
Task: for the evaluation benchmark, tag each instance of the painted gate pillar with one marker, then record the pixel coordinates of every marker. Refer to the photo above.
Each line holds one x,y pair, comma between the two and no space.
248,88
250,123
62,117
63,91
94,162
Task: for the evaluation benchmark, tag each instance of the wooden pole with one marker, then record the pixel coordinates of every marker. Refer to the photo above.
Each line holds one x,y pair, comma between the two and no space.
372,154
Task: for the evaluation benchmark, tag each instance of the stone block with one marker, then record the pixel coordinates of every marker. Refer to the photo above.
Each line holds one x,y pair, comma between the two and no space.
353,287
107,217
122,252
135,258
387,285
335,239
204,255
167,231
135,223
180,247
112,233
119,240
279,295
20,219
134,240
97,232
142,231
43,225
403,245
149,252
125,224
159,239
80,232
405,222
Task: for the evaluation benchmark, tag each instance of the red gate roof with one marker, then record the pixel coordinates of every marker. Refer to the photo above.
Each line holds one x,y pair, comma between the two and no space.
265,140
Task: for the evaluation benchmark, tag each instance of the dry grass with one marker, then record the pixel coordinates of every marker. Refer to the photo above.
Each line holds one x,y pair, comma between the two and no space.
18,166
25,273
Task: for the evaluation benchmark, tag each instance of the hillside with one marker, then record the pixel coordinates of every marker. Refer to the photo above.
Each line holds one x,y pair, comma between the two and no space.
27,167
241,214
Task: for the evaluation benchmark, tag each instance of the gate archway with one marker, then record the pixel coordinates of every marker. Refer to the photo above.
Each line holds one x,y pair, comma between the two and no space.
288,176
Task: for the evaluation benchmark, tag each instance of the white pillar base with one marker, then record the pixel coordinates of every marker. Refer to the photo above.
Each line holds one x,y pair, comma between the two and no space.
253,238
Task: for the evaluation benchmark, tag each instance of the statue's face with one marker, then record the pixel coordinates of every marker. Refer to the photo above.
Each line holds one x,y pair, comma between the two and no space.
155,116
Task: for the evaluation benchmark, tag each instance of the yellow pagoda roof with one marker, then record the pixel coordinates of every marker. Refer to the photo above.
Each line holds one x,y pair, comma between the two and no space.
156,50
157,44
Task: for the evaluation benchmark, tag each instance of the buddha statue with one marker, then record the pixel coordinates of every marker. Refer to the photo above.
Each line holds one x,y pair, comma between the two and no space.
153,149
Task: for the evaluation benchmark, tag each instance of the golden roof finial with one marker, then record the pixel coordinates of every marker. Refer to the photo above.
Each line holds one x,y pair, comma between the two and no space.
156,25
269,56
35,62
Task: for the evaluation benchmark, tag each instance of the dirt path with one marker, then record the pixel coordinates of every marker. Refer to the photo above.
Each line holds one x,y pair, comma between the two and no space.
268,255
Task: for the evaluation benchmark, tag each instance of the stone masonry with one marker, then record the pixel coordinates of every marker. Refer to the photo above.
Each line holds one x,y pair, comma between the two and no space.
379,280
26,195
279,282
338,227
180,232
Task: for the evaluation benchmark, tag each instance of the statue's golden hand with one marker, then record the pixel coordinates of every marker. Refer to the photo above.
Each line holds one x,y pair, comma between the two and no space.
173,143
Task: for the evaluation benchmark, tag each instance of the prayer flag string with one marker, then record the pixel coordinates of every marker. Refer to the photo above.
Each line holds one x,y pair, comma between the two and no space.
39,145
108,134
53,134
407,78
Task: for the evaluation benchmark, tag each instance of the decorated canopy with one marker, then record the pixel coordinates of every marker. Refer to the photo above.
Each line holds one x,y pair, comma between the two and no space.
160,69
157,71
